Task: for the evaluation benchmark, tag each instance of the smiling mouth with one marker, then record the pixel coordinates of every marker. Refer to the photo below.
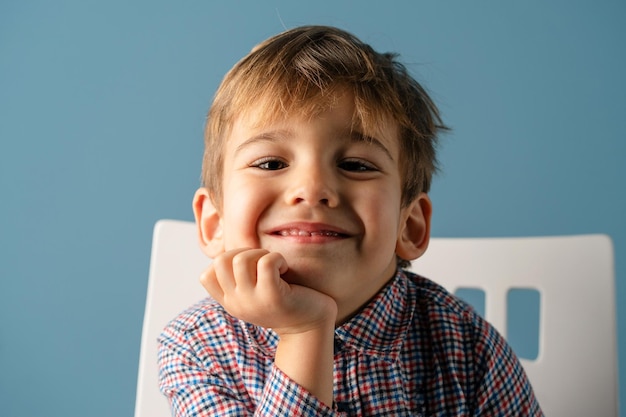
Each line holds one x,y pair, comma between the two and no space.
305,233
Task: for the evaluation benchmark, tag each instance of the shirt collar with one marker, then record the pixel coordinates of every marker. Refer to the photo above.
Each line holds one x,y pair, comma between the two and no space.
379,328
382,324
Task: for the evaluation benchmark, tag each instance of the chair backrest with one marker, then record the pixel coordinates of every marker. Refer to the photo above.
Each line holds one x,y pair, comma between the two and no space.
575,372
173,285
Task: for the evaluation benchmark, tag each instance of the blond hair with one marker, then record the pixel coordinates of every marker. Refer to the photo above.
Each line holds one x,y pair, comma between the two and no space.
301,70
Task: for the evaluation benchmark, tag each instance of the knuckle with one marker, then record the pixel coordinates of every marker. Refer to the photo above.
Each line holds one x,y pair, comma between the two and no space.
207,276
269,261
220,263
265,262
241,257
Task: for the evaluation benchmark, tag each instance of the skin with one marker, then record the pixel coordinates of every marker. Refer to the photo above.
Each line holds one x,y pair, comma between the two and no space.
307,230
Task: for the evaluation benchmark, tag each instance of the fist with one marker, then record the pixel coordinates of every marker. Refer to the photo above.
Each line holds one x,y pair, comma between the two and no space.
248,284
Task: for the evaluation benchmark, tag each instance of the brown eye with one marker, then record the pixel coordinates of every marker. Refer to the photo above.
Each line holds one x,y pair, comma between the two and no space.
357,165
269,164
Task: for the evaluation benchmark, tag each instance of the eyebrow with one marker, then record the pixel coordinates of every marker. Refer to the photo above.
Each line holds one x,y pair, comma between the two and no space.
271,136
358,137
280,135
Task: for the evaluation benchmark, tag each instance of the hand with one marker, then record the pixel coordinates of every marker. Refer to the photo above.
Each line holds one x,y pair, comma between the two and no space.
248,284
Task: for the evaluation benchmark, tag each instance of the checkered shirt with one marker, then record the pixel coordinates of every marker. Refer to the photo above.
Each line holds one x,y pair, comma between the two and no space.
414,350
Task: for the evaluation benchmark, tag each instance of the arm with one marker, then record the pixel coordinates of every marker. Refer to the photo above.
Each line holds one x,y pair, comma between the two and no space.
191,380
199,379
248,284
307,358
207,367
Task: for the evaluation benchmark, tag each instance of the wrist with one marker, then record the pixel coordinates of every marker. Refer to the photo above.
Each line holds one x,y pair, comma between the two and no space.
307,358
323,321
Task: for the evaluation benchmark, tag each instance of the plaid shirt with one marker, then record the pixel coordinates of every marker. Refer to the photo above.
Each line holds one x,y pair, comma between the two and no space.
414,350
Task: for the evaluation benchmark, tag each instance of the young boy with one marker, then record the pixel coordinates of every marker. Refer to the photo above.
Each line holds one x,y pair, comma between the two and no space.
319,154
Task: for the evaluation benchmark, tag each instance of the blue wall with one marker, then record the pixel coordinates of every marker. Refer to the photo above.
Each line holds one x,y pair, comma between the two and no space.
101,113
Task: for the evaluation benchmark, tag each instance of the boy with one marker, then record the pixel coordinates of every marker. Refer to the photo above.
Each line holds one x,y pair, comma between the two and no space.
319,154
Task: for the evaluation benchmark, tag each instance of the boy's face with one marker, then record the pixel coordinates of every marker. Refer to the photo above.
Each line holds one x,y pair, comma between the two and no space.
322,195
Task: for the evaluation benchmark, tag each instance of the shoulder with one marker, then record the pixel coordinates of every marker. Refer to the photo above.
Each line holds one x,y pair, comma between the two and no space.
454,329
448,318
206,312
435,298
455,338
206,327
203,320
202,328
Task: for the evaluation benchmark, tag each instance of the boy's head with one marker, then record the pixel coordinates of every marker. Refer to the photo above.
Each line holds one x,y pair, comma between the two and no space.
300,72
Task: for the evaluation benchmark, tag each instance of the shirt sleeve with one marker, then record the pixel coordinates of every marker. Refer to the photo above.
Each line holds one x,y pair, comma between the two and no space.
197,387
284,397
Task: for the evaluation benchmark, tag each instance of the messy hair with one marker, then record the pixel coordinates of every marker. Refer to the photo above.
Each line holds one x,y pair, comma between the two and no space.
301,70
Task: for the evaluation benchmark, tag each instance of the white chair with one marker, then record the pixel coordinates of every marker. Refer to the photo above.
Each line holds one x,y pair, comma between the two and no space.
173,285
575,373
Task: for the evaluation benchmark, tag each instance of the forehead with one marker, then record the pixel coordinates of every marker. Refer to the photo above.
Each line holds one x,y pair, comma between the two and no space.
340,109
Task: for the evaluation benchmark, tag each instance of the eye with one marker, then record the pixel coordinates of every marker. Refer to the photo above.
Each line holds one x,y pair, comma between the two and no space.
357,165
269,164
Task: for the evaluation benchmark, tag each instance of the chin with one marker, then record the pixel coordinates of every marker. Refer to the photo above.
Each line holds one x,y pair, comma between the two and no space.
310,276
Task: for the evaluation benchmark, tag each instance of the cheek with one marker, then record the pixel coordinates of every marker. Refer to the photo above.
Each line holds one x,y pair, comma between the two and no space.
381,213
244,205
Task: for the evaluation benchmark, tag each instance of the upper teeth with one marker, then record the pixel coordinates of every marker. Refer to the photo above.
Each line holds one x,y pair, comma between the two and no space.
295,232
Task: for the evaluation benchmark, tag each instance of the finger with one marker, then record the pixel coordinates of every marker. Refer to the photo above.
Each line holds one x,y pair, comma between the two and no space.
208,279
223,265
244,265
269,270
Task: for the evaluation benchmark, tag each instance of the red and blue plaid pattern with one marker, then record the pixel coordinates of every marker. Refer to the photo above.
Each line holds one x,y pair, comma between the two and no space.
415,350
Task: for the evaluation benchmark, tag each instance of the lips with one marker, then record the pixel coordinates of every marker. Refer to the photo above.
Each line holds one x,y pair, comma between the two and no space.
309,230
305,233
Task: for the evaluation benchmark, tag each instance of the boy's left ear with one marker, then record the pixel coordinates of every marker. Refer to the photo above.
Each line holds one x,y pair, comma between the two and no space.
414,233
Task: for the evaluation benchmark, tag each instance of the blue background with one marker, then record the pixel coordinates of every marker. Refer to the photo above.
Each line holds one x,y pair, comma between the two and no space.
102,106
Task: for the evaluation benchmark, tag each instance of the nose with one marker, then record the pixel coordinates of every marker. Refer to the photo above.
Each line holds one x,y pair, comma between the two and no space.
314,185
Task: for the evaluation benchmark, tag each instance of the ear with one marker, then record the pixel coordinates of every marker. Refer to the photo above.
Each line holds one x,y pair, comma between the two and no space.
414,232
209,223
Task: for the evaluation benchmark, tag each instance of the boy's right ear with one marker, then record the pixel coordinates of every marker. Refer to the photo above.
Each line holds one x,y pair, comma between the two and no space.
209,223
